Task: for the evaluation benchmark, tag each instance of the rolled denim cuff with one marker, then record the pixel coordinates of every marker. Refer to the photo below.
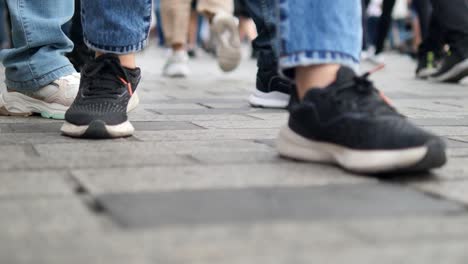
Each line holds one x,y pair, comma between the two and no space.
117,49
37,83
307,58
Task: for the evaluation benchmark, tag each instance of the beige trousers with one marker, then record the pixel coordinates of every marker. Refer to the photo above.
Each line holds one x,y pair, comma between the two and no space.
175,16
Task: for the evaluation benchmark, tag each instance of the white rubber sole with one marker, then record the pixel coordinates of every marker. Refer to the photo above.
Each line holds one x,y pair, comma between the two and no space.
99,131
133,102
459,69
292,145
17,104
269,100
228,46
426,73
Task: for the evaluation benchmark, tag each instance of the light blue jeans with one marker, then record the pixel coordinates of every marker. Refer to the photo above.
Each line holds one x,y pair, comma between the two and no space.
116,26
319,32
39,43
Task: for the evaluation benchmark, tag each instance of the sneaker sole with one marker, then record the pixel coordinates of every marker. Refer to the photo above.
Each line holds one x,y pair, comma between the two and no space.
455,74
269,100
430,156
425,73
17,104
228,51
98,130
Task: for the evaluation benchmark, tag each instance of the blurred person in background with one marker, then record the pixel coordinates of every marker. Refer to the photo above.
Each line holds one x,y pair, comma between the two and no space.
176,18
247,30
450,26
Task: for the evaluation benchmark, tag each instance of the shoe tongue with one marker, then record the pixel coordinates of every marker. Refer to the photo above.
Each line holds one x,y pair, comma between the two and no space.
344,74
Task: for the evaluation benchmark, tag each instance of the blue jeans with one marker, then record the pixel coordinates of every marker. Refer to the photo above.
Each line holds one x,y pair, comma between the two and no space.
319,32
39,43
116,26
3,35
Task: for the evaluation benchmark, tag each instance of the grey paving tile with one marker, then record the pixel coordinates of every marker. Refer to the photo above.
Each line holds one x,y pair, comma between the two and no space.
218,206
113,149
38,215
254,124
207,135
34,183
165,125
456,190
196,177
32,127
69,160
409,230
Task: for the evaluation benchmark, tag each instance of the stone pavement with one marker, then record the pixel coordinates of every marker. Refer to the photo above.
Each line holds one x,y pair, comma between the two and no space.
200,182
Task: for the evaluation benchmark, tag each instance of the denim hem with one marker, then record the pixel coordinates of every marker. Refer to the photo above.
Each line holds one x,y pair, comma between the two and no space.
306,58
117,50
37,83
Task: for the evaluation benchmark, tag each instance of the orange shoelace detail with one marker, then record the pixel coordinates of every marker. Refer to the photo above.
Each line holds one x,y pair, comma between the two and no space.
128,84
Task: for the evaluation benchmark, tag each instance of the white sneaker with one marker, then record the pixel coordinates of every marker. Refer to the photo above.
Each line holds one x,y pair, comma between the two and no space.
51,101
177,65
228,47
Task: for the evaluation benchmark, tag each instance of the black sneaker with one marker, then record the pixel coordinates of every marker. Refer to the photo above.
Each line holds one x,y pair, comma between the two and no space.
453,68
427,64
351,124
105,96
272,90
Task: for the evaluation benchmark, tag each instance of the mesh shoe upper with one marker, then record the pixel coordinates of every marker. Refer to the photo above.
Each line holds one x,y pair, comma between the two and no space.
352,113
105,90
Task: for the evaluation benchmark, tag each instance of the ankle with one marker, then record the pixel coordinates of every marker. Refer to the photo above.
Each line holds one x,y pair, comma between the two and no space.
315,77
126,60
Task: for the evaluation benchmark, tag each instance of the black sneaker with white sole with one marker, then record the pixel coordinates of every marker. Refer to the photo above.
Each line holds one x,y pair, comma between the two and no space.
105,96
351,124
272,91
453,68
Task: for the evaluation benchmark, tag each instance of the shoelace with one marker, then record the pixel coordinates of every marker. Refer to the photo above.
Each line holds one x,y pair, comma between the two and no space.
369,98
104,79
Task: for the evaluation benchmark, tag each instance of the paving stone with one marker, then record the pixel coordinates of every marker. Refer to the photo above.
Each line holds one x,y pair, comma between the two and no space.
195,177
218,206
449,131
164,125
54,214
456,190
207,135
456,121
409,230
34,183
69,160
241,124
195,117
113,149
283,115
32,127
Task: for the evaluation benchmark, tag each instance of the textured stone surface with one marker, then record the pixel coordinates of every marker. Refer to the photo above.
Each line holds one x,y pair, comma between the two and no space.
199,136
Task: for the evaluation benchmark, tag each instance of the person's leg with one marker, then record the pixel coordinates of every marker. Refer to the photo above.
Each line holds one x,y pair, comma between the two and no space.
430,52
3,35
175,22
341,118
80,54
39,78
424,11
384,25
272,91
453,18
115,30
224,27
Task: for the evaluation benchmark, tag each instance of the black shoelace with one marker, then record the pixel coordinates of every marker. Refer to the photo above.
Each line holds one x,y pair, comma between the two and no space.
360,93
103,78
